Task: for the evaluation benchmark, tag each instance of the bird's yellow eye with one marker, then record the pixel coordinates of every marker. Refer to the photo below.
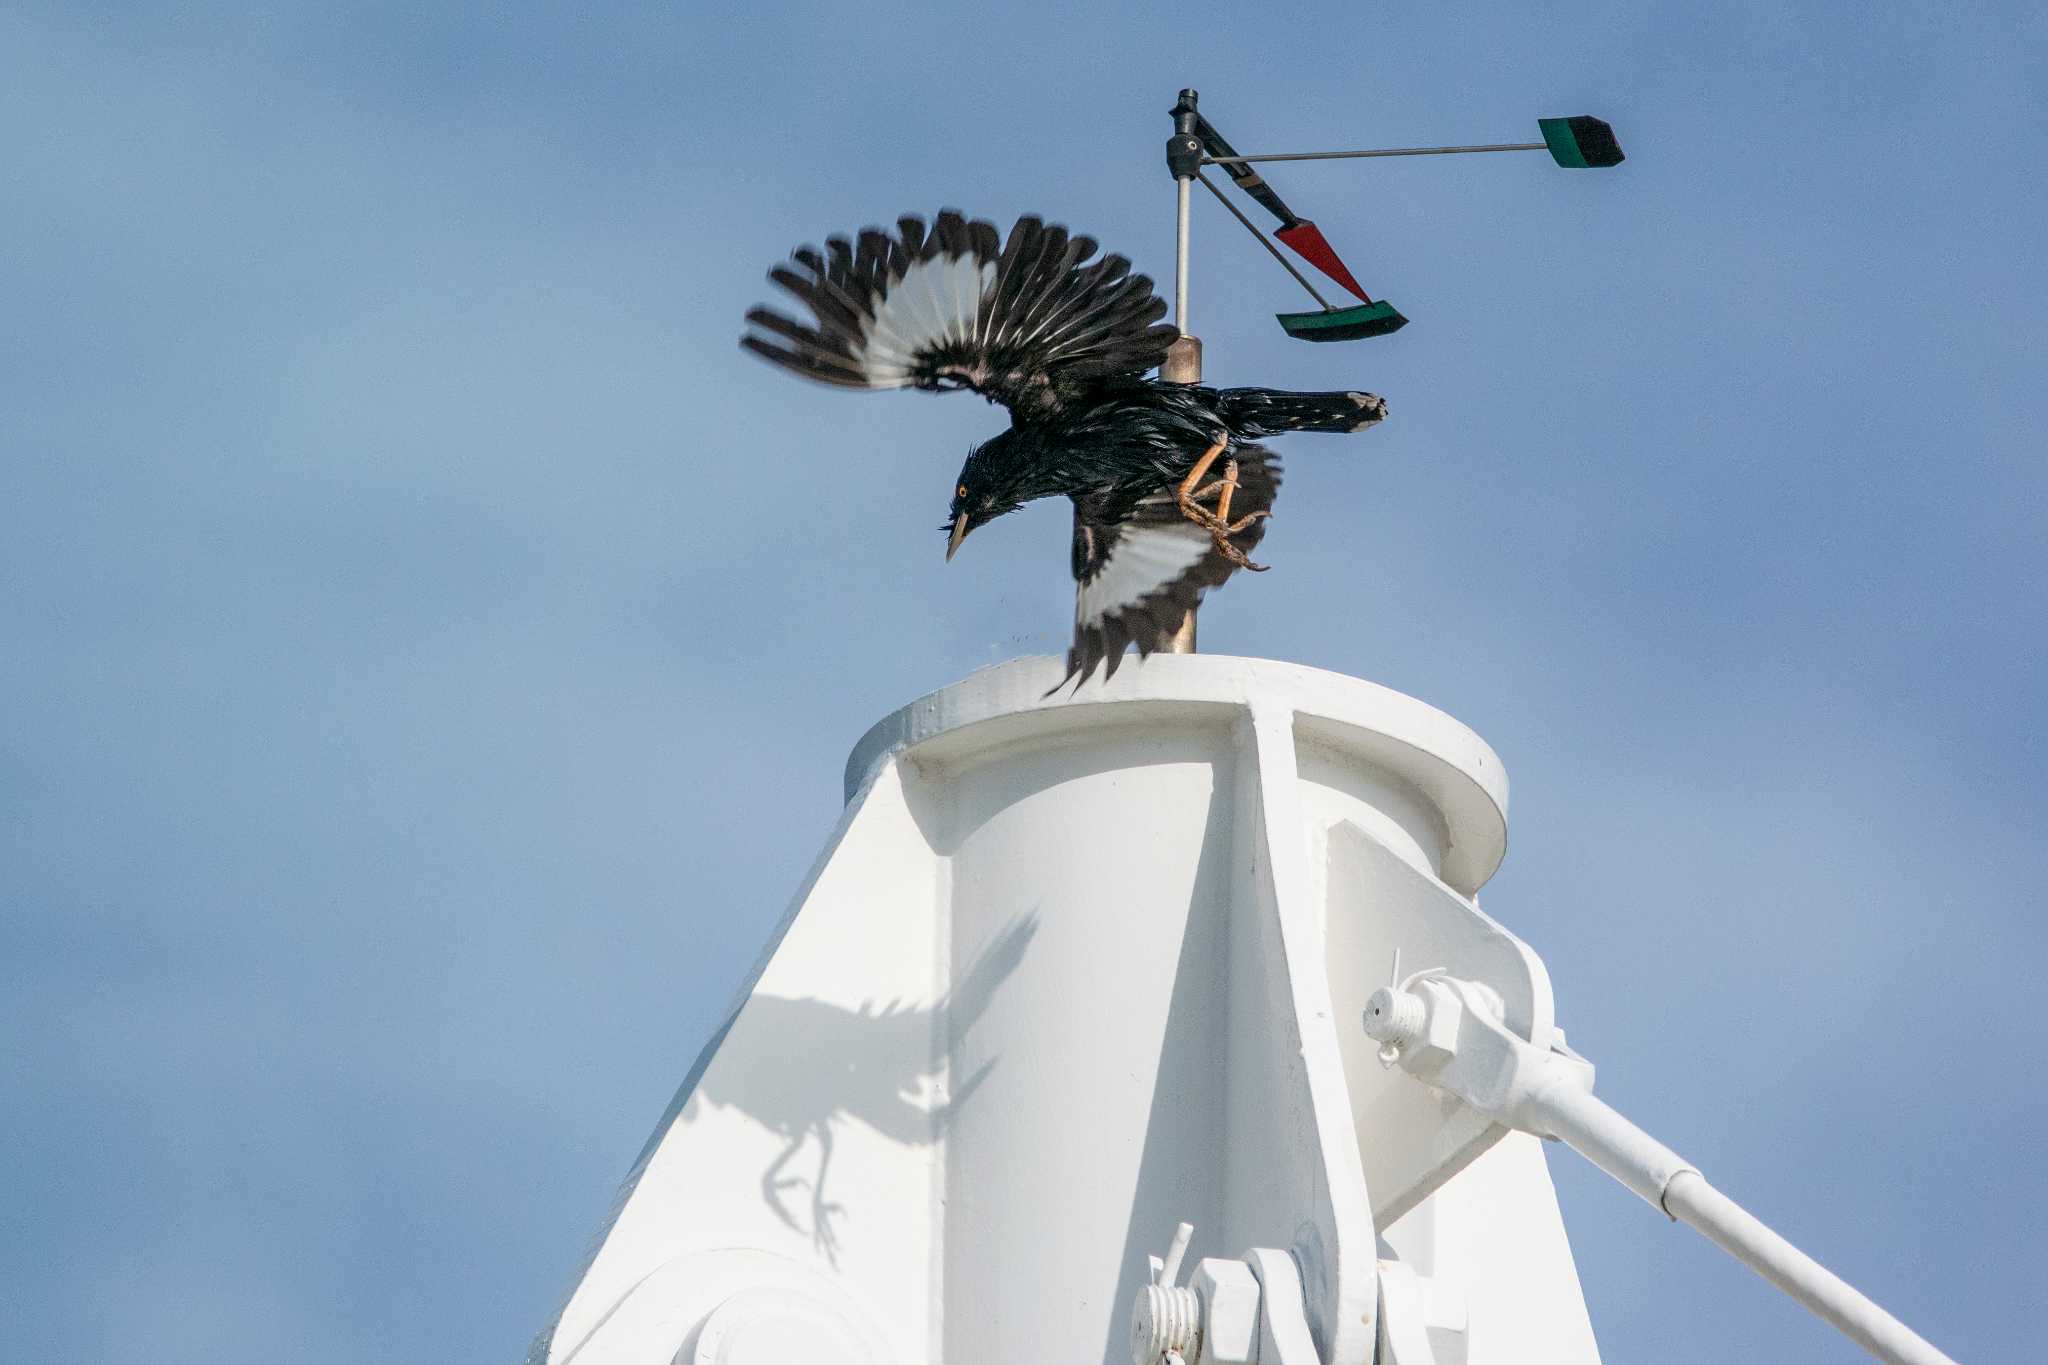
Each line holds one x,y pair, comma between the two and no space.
961,491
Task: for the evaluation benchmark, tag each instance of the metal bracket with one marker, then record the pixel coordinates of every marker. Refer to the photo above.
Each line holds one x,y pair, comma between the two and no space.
1422,1320
1284,1338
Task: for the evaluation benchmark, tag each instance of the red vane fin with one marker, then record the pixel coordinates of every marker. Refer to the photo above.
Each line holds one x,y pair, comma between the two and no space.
1306,240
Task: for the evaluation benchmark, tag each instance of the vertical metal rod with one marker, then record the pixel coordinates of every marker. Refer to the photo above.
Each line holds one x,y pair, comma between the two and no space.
1183,366
1180,258
1183,363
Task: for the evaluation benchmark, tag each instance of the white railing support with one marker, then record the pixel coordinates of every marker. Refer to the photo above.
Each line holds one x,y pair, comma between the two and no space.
1448,1033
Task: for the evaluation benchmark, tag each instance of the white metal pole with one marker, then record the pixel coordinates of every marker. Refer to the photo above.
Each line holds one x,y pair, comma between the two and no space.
1736,1231
1183,363
1591,1127
1180,258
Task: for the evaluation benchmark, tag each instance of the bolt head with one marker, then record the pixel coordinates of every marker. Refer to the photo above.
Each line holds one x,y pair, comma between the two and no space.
1230,1311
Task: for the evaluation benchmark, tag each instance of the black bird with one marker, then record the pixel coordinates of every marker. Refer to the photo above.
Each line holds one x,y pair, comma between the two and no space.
1170,494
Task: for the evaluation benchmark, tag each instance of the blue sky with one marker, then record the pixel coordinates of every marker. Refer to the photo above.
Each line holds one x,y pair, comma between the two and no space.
428,646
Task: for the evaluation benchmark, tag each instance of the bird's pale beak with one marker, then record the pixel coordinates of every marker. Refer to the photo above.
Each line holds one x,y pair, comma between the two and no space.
959,534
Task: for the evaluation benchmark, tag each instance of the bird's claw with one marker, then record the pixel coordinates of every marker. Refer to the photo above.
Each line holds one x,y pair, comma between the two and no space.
1220,531
1229,551
1217,521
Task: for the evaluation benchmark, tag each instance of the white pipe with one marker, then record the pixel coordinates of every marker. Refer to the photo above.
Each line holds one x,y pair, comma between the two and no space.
1690,1199
1180,258
1594,1130
1588,1126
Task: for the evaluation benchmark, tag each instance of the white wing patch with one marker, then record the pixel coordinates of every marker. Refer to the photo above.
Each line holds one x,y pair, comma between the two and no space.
936,301
1143,560
957,307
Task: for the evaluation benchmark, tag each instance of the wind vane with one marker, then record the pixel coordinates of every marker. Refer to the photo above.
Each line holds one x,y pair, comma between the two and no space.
1579,142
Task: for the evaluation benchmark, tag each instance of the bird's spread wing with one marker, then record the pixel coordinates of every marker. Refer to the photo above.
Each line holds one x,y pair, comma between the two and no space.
959,307
1141,569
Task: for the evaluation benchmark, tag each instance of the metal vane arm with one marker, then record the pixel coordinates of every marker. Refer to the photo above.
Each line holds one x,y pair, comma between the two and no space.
1253,228
1228,161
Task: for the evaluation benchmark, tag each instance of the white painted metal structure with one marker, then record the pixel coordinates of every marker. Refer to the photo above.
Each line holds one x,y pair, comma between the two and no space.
1074,972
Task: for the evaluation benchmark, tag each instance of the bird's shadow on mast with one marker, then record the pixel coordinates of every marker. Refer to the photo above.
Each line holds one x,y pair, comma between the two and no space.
880,1065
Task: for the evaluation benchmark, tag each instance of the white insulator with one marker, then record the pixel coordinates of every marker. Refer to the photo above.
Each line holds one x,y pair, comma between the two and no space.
1394,1017
1164,1319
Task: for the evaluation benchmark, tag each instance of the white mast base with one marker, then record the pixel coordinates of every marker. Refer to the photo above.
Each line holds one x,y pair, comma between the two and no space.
1071,972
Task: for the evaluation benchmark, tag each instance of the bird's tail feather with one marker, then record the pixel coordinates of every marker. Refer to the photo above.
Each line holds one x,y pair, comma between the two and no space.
1268,412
